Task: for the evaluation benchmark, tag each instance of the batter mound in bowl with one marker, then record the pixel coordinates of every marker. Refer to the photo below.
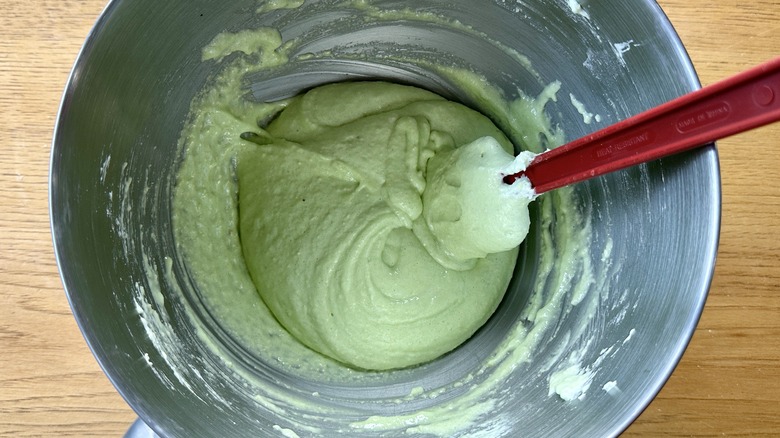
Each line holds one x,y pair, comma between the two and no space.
375,224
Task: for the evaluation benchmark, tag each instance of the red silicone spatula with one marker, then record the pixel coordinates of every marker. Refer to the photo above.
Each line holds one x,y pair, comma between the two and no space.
740,103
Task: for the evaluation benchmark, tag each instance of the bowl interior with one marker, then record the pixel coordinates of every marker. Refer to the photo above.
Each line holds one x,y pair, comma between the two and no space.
115,155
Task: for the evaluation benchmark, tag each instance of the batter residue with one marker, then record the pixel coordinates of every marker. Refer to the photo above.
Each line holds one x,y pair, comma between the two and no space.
377,210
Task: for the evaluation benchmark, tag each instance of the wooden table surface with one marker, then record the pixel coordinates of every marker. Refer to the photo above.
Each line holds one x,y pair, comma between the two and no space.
728,383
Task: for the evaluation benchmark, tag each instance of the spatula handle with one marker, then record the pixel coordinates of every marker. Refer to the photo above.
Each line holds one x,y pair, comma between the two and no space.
740,103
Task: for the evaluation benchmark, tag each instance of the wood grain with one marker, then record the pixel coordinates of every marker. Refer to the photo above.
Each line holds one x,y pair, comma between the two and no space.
728,383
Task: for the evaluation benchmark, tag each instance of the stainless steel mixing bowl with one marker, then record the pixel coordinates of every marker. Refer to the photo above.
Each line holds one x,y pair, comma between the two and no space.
115,155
